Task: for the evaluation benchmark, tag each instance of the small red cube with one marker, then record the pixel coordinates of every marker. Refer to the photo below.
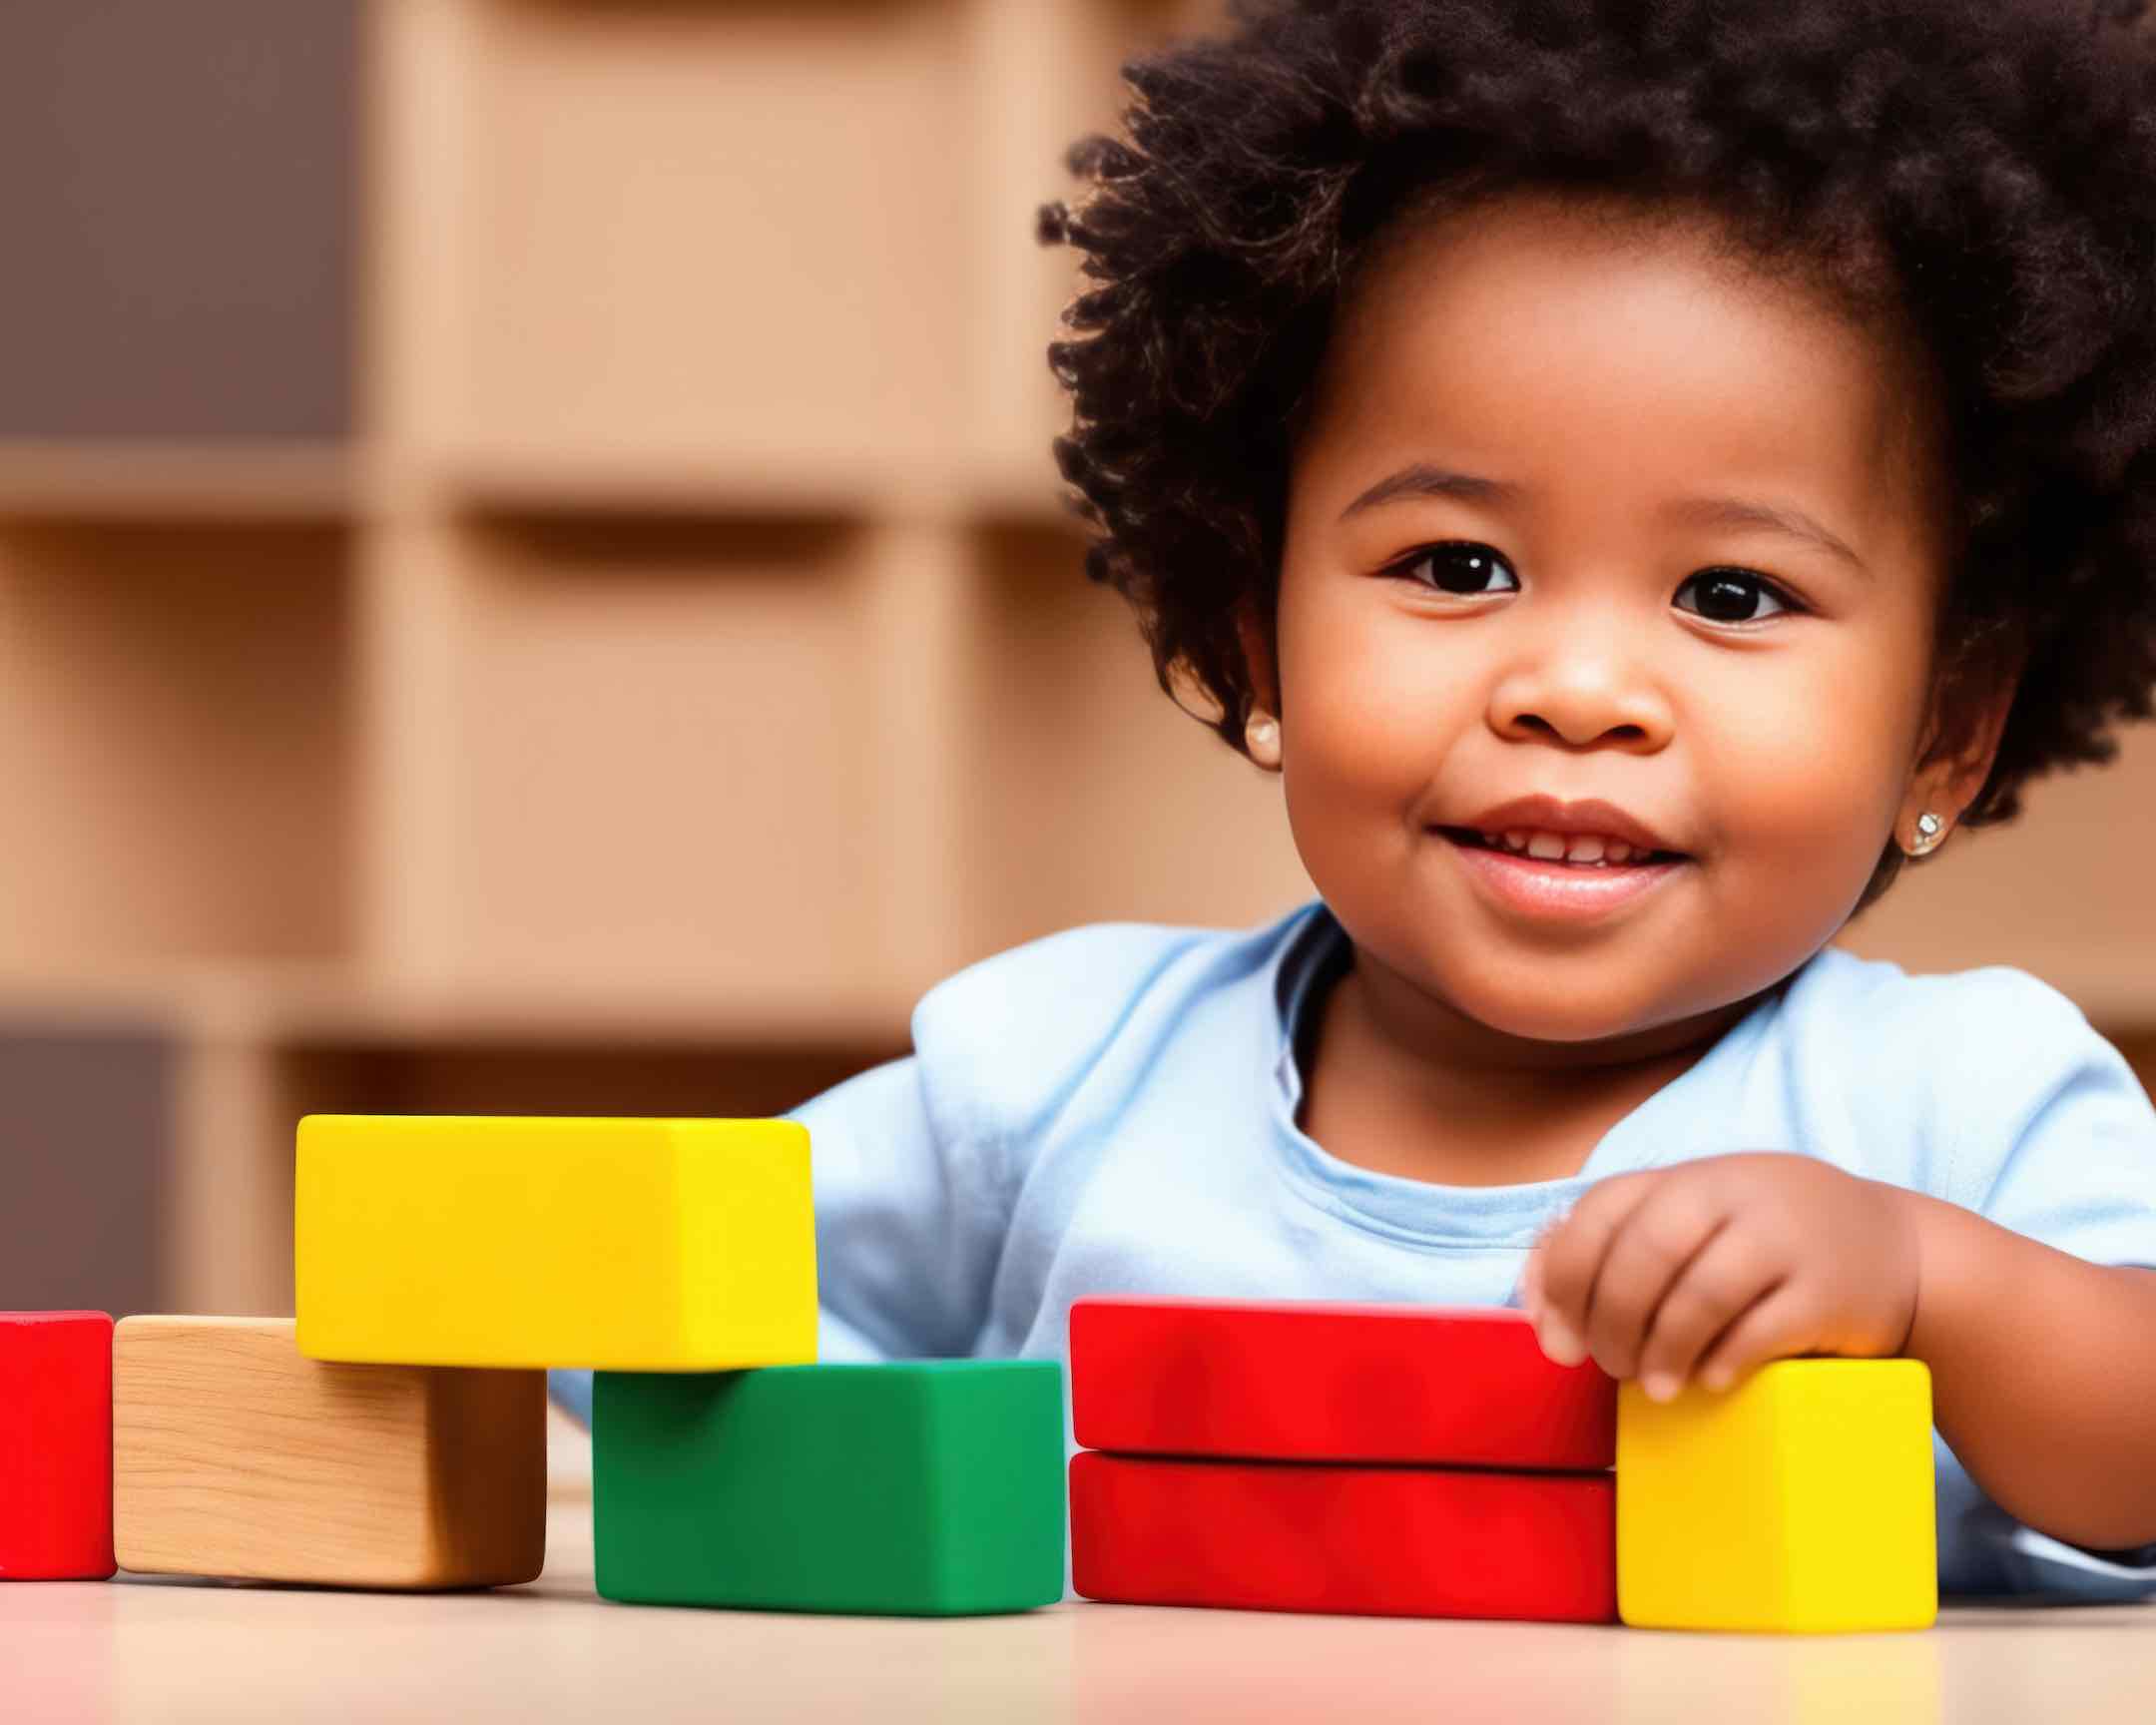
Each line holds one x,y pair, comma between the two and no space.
56,1446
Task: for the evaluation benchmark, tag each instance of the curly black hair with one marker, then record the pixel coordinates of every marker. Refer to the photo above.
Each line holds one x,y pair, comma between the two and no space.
1984,170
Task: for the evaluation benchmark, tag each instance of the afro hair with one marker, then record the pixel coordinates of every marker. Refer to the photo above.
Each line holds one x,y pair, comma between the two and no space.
1987,166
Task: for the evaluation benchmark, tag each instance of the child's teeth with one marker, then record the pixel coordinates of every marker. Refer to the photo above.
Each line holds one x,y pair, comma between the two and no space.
1590,849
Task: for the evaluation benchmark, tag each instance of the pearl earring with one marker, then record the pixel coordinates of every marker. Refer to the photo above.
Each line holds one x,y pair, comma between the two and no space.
1930,831
1261,734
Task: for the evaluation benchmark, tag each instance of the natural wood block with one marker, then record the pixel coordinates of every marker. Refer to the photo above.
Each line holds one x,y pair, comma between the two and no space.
234,1454
624,1245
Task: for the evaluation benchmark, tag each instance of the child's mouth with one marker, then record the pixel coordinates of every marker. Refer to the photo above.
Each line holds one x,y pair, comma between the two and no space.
1469,838
1554,890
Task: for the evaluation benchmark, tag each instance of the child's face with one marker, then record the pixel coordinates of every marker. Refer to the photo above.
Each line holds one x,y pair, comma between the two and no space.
1608,373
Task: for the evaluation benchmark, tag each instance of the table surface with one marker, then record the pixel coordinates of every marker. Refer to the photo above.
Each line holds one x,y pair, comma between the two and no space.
143,1649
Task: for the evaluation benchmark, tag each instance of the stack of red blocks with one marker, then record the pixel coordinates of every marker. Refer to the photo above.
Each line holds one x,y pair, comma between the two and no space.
1392,1461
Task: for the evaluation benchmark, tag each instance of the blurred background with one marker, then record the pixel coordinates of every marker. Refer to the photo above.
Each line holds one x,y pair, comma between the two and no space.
532,580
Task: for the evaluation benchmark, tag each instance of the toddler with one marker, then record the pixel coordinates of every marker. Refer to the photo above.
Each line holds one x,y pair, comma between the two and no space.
1640,472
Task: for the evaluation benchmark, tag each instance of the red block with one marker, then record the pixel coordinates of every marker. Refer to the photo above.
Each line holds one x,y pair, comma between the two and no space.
1318,1382
56,1446
1387,1541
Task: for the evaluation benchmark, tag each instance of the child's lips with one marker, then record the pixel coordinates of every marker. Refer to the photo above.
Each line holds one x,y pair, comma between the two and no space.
1556,891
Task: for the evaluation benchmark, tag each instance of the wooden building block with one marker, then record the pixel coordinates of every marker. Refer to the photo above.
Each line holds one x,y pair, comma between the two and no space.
924,1487
1318,1382
234,1454
55,1446
631,1245
1385,1542
1801,1499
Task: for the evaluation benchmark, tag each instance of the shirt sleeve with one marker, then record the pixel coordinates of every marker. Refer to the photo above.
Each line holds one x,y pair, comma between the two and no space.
2062,1148
909,1218
2065,1151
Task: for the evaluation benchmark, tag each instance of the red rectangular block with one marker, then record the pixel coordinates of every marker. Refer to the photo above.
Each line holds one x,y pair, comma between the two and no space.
1320,1382
56,1446
1383,1541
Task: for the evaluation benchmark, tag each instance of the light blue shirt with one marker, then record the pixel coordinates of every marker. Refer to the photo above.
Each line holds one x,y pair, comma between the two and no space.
1112,1109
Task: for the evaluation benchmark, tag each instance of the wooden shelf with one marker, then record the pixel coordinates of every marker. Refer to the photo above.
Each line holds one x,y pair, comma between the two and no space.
572,482
899,486
268,1004
128,481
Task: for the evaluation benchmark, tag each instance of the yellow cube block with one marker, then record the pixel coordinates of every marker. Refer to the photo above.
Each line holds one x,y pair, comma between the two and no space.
633,1245
1801,1499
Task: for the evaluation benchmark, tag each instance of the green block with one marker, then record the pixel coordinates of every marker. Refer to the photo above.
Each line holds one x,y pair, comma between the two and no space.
922,1488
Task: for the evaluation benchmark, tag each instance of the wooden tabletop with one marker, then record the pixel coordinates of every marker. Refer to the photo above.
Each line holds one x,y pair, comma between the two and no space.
142,1650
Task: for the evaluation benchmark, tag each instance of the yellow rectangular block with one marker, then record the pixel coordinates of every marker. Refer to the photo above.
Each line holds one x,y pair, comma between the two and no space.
1802,1499
234,1454
633,1245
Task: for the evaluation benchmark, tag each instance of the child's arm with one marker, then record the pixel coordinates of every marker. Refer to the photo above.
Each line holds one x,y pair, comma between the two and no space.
2043,1375
2043,1365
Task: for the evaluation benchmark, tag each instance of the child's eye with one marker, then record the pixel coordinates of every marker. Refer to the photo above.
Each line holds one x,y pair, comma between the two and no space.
1462,567
1730,596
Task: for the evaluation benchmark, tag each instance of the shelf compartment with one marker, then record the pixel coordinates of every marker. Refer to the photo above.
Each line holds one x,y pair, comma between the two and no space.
180,189
173,734
665,761
719,236
1043,76
1071,738
85,1115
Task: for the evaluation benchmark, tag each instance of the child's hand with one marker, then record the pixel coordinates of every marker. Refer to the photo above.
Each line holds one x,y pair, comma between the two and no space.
1716,1266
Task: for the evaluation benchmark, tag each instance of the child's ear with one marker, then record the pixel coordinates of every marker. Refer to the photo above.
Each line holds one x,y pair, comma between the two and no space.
1946,785
1257,656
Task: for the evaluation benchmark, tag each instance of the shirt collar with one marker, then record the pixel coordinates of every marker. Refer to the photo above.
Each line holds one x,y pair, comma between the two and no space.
1313,945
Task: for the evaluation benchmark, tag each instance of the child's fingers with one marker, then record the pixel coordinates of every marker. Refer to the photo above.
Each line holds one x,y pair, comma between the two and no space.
1572,1257
1646,1256
1529,1286
1778,1324
1725,1278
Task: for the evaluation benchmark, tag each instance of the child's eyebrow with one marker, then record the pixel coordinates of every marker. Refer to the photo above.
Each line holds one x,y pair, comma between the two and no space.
1423,479
1789,522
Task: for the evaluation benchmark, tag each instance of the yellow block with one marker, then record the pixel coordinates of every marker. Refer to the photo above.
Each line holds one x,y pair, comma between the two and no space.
1801,1499
638,1244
